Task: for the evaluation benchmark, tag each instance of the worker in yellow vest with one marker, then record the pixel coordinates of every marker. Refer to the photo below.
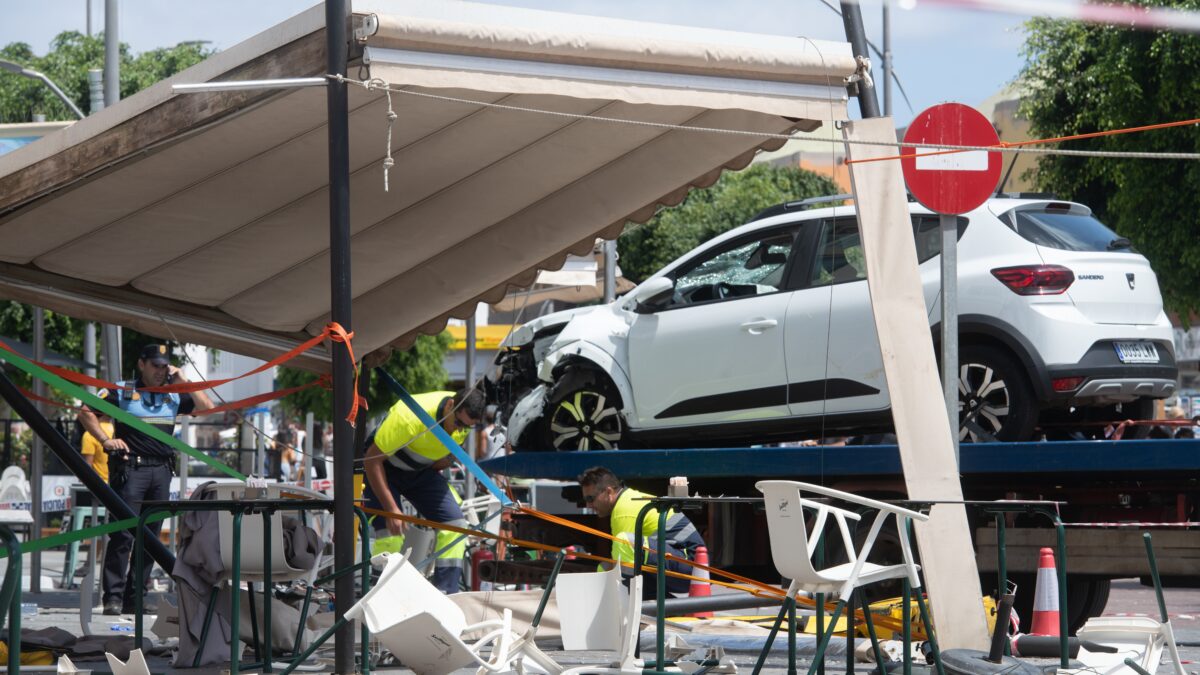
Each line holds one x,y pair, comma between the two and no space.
604,493
405,459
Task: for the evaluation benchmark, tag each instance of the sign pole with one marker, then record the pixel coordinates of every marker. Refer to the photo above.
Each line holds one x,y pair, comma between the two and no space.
949,307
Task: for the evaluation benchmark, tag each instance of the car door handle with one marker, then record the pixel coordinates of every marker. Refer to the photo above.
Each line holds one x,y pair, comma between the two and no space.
757,326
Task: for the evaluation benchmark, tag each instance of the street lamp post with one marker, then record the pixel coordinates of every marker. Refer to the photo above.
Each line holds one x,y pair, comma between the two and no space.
18,69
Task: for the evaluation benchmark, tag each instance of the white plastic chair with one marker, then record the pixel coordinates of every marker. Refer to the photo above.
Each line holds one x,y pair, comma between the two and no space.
422,627
1140,638
795,524
792,546
612,622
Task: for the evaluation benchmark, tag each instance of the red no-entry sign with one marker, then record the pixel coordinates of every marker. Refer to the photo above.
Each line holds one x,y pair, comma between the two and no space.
956,182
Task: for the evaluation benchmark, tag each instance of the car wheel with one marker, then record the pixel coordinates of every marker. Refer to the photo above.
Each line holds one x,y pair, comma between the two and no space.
996,400
583,412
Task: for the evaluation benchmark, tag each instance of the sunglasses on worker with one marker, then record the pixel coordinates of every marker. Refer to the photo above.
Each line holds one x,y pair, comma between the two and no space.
460,424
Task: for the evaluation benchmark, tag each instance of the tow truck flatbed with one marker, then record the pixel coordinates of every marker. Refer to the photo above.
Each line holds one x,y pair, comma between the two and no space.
1178,458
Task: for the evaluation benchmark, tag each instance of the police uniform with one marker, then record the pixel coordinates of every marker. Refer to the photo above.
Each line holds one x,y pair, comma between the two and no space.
410,449
682,539
144,476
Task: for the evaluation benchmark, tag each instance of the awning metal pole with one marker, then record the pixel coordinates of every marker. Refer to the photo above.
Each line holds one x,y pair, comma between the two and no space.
37,456
856,35
336,49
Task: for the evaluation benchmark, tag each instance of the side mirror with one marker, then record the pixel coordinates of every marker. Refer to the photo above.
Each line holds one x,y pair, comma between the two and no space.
651,294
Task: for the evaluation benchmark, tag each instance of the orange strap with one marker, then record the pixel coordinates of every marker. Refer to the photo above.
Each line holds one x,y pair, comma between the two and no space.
338,334
333,331
322,381
1038,141
746,585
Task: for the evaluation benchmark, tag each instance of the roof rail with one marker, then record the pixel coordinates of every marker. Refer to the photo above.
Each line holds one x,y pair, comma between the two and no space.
798,205
1026,195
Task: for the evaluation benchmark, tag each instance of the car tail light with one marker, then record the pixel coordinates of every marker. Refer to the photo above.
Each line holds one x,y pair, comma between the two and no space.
1035,279
1062,384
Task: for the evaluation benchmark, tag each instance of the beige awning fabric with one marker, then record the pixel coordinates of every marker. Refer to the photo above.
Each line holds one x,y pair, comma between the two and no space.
204,217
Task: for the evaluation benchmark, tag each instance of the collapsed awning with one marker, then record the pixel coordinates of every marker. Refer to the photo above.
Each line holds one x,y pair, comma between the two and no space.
519,137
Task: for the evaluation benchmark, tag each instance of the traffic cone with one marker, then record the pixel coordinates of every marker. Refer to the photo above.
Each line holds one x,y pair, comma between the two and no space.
1045,596
700,589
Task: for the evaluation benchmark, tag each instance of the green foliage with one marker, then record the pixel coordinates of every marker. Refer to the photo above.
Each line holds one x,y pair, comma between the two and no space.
703,214
63,334
1094,78
419,369
71,55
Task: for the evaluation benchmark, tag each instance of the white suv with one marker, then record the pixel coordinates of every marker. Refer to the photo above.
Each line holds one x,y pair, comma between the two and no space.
766,333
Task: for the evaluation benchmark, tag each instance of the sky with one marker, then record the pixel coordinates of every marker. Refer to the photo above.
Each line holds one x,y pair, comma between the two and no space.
939,54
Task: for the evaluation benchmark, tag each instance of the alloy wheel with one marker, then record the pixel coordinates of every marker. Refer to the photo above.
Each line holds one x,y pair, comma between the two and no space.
585,420
983,402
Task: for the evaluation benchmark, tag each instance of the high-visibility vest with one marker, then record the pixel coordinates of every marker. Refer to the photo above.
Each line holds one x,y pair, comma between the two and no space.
681,533
405,439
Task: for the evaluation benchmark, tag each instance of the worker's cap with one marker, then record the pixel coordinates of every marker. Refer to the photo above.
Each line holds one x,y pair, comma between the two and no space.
157,354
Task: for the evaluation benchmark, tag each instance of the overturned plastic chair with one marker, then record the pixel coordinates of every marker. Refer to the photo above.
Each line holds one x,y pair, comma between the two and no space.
796,524
423,628
254,563
612,622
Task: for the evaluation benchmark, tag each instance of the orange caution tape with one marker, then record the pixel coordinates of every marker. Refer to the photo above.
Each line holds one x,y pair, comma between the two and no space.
1038,141
744,584
333,331
338,334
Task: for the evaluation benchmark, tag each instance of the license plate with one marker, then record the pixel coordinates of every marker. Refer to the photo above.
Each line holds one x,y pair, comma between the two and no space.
1136,352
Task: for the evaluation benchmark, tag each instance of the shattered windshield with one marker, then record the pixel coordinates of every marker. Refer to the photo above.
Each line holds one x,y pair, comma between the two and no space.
751,268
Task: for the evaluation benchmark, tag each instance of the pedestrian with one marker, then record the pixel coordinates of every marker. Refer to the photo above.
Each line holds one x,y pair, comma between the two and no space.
140,467
93,451
318,450
604,494
405,459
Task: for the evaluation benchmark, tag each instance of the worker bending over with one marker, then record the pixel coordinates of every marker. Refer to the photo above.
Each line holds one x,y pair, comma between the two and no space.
405,459
603,492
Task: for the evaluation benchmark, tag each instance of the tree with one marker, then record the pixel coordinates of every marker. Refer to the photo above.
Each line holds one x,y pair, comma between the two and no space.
1082,79
71,55
419,368
703,214
66,64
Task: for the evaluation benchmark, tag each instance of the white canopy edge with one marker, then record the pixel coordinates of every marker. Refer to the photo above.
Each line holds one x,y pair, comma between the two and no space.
441,70
510,32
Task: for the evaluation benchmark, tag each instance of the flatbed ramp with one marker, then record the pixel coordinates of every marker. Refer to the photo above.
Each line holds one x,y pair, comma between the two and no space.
1065,459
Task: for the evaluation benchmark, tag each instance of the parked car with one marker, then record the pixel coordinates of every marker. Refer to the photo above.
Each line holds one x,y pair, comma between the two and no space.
766,333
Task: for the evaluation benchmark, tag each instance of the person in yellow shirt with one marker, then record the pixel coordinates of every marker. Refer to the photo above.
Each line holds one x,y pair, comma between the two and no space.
604,494
93,452
405,459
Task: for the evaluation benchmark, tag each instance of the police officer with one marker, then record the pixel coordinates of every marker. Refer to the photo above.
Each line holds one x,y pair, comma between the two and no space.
603,492
140,467
405,459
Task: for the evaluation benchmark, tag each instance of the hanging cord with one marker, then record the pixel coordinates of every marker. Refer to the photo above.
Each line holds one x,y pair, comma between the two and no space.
388,162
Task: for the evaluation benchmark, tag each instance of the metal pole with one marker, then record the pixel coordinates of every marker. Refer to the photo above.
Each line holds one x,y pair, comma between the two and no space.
949,308
856,35
69,456
338,122
88,3
36,457
308,461
89,348
887,58
610,271
112,54
95,90
112,353
185,432
472,445
260,447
